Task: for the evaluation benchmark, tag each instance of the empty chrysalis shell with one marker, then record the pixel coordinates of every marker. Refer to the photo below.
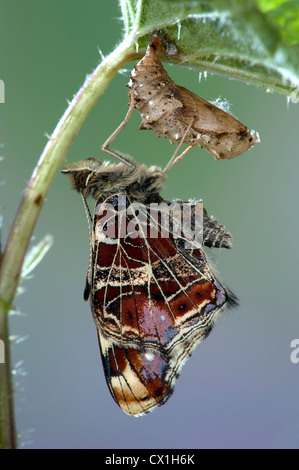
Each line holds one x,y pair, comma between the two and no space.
183,117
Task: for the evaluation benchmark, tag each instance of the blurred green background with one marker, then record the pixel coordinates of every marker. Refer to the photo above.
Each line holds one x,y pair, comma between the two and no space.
240,388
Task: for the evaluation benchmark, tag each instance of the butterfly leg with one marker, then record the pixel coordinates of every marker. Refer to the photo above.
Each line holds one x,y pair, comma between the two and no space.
115,153
174,159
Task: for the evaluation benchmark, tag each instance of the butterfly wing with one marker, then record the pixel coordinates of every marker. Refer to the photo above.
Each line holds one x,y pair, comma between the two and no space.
153,301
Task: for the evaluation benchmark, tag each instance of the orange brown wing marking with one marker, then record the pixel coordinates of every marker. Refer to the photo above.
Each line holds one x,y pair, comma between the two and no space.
134,377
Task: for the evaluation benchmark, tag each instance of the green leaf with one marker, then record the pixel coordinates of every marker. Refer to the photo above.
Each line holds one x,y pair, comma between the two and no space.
254,41
284,16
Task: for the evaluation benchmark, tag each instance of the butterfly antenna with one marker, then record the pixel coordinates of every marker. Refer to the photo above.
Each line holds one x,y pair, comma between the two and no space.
89,271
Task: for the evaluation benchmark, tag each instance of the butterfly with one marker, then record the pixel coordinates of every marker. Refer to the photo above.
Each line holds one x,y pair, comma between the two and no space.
153,294
176,113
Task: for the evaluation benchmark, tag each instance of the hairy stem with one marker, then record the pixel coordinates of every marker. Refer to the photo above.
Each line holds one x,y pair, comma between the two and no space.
30,206
7,422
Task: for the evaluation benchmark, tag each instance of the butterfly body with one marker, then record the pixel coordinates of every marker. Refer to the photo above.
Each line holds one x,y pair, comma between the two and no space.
153,300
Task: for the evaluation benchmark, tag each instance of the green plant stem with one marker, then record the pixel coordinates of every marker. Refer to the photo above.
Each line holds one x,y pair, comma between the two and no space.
7,423
30,206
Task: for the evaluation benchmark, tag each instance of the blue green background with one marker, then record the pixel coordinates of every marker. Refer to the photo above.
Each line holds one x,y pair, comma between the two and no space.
240,388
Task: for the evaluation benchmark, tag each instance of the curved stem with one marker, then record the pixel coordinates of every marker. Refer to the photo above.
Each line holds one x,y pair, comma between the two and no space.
31,204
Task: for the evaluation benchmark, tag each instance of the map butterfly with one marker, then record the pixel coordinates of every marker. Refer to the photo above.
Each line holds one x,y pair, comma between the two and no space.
154,298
